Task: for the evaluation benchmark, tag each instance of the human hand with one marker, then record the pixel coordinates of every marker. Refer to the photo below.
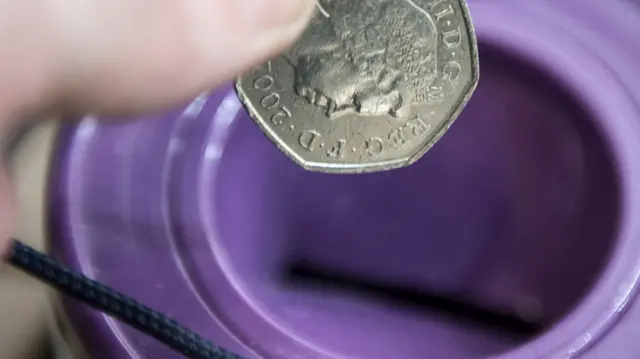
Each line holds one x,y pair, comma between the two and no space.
128,56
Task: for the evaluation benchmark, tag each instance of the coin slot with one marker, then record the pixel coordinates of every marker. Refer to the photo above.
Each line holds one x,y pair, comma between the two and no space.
301,275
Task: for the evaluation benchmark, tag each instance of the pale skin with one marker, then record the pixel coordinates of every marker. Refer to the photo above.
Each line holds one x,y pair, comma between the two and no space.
128,56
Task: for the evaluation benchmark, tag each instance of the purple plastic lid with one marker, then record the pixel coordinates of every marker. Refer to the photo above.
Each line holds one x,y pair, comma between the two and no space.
527,206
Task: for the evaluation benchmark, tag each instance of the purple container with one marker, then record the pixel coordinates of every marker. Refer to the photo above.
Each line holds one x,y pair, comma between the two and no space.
528,207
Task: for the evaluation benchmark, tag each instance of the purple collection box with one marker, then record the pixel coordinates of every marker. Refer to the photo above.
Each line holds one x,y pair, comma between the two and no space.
528,209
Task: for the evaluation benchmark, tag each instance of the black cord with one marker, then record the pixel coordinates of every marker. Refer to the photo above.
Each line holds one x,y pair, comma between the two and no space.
119,306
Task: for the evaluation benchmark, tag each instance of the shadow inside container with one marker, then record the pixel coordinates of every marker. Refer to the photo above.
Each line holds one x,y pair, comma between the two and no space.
305,275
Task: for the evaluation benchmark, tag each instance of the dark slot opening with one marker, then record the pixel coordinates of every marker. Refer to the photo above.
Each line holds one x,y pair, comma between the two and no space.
302,275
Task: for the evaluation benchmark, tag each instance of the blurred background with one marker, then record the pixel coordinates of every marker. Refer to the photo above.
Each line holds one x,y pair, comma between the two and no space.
23,301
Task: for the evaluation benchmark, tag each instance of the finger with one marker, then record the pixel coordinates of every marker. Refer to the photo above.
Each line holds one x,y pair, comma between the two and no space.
130,56
141,55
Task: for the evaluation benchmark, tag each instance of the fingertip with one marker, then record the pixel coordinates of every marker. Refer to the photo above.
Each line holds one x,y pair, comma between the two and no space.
267,14
278,38
252,32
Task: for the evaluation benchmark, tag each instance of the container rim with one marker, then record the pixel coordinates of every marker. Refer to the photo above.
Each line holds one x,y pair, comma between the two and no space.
569,60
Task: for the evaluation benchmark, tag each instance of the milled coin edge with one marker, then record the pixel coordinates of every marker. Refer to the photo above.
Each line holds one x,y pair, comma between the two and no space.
467,93
267,130
318,167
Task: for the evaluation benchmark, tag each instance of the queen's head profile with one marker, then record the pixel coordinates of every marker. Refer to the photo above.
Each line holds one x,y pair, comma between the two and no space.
366,57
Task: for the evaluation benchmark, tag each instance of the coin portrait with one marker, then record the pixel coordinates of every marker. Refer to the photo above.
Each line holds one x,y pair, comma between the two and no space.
370,85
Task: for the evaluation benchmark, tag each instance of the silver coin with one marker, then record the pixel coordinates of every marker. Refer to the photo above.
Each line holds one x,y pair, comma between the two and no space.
370,86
